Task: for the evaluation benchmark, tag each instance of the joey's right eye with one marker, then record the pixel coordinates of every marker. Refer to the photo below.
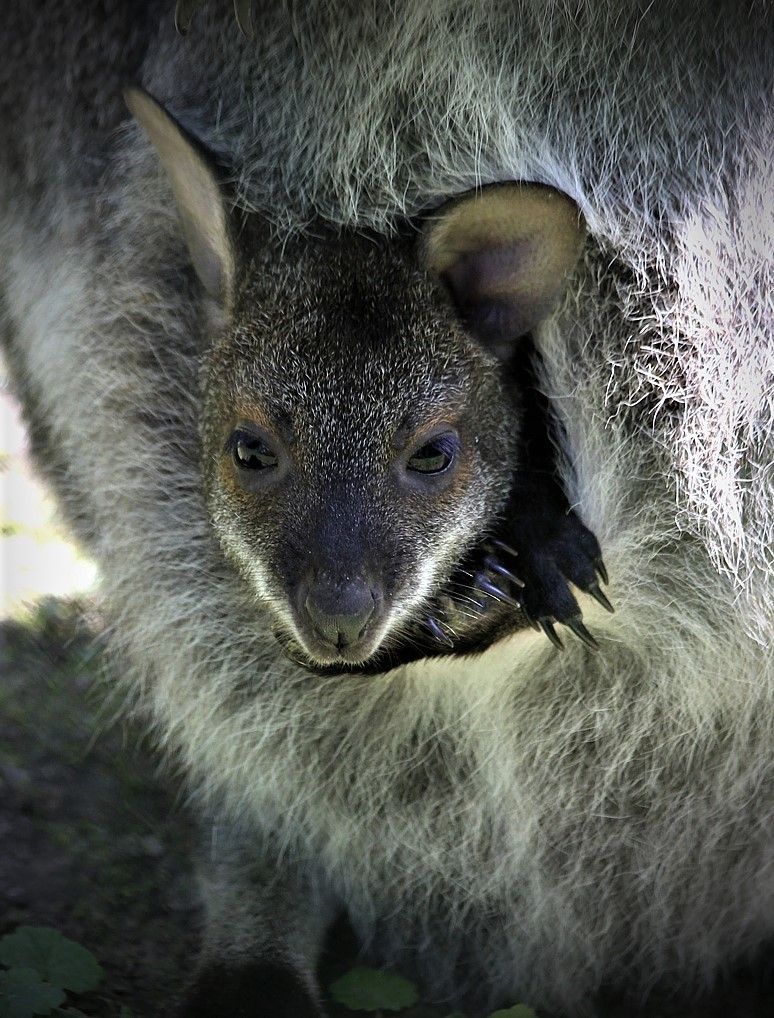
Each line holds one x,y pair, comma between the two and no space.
435,456
250,453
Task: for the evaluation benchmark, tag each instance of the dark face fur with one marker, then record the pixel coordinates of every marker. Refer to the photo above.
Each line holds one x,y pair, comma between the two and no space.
357,442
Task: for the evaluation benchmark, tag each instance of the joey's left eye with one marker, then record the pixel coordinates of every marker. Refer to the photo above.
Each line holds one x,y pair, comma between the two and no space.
435,456
250,453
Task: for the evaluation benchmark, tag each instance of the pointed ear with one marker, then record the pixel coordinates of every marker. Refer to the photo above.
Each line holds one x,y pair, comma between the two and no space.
505,254
197,193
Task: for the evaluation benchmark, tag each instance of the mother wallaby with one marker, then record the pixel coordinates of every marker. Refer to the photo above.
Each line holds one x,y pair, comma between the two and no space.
285,428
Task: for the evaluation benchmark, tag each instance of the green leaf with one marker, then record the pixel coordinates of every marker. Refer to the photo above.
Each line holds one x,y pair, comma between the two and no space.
23,994
520,1011
364,989
57,960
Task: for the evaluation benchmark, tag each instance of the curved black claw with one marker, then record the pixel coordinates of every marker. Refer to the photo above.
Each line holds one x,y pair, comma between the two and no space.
582,633
533,622
498,545
595,591
496,592
438,633
599,565
551,633
494,566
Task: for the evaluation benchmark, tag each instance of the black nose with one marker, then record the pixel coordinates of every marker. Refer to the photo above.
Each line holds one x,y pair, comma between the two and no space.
340,611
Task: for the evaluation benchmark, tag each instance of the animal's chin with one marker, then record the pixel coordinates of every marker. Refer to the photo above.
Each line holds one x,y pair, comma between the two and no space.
397,649
316,657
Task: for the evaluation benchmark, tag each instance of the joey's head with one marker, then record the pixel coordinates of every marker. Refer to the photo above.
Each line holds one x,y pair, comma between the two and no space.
358,436
356,440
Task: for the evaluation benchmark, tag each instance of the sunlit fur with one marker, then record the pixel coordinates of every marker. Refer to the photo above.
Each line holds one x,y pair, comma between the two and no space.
520,824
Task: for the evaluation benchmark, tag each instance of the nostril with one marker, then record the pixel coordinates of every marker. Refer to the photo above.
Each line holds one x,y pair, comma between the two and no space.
340,614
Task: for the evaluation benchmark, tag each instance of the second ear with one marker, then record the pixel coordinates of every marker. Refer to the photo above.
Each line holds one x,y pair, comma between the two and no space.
505,253
197,193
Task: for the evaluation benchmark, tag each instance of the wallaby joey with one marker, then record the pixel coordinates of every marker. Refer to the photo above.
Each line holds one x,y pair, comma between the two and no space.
362,449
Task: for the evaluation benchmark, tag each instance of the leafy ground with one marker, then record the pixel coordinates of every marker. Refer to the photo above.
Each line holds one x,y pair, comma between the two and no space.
95,841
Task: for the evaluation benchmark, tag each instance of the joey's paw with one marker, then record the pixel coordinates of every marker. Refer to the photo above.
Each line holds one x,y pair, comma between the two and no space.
523,571
468,614
559,551
496,577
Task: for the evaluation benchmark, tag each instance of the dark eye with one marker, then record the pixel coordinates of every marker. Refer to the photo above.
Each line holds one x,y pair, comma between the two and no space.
434,457
250,453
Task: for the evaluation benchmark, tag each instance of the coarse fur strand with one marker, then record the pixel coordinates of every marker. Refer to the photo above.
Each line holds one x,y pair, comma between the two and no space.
515,824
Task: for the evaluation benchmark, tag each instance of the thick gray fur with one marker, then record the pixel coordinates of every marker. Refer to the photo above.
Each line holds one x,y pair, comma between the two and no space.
518,824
